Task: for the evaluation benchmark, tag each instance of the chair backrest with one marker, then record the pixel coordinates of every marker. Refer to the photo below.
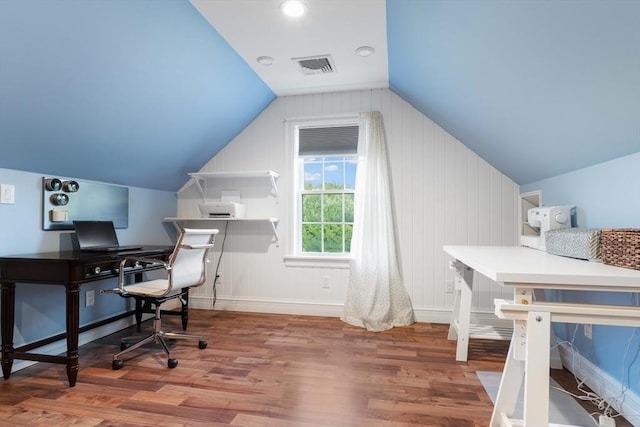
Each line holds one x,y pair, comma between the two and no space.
189,258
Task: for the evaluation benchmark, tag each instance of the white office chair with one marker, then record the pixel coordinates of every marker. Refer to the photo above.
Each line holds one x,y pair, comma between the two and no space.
185,268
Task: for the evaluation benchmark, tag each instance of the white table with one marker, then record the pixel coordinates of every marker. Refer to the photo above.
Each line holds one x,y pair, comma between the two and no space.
527,270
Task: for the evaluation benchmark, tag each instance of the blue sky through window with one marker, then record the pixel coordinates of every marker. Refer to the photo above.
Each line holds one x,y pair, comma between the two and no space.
339,171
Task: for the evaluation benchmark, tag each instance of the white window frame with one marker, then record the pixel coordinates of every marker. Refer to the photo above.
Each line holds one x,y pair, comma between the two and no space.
295,256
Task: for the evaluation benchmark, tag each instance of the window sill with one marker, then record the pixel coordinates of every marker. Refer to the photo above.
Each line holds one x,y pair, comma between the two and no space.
303,261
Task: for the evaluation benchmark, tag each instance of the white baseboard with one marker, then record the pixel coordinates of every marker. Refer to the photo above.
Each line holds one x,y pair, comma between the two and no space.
301,308
267,306
427,315
602,384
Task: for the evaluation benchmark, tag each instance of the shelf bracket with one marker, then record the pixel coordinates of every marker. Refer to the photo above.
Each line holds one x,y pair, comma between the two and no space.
196,180
274,223
274,184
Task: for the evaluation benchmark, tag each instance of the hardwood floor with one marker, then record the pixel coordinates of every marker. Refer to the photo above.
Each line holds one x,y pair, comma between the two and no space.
264,370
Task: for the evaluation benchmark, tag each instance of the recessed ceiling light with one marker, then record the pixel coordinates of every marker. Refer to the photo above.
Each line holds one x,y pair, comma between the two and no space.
292,8
365,51
265,60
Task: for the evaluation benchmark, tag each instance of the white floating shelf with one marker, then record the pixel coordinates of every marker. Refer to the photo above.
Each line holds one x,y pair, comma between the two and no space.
236,174
273,221
199,177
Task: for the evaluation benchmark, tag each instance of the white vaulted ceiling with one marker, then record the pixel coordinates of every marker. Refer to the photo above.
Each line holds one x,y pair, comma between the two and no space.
257,28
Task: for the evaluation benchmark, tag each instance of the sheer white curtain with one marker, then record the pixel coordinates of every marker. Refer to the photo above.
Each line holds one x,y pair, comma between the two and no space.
376,298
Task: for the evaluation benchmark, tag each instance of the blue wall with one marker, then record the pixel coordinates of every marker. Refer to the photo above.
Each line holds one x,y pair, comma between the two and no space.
606,195
40,309
130,92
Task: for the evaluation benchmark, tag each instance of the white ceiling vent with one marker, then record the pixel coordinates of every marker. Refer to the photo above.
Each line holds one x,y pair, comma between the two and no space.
321,64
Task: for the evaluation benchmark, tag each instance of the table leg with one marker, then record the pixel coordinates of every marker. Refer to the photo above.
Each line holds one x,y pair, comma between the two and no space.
556,360
510,385
461,315
536,382
8,295
73,330
455,316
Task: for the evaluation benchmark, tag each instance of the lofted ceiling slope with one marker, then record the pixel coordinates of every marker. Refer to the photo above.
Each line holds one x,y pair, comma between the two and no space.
133,92
142,92
537,88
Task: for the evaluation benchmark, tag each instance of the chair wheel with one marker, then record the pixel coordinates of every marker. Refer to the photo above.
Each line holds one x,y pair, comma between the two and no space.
124,346
117,364
202,345
172,363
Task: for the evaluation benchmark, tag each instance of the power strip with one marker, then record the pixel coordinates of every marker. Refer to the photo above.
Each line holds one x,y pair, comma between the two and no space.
605,421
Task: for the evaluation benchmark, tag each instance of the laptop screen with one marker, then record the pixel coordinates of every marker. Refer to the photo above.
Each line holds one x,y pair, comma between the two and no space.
93,234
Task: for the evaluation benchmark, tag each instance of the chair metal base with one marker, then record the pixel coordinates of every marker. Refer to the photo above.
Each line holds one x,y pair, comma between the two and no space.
158,336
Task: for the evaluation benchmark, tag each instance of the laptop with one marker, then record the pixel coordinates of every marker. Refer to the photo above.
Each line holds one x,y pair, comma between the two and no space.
99,236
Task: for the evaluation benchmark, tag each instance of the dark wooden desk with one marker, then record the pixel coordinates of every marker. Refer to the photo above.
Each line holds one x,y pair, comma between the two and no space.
69,269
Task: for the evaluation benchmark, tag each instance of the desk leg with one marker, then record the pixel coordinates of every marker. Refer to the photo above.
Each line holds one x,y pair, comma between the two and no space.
8,295
139,308
73,330
138,314
461,315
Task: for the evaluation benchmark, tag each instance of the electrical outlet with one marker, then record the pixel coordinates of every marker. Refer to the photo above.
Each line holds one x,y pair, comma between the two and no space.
90,298
450,288
325,282
588,330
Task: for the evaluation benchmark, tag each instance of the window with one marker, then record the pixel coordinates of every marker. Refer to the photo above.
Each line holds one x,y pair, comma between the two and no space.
327,204
325,169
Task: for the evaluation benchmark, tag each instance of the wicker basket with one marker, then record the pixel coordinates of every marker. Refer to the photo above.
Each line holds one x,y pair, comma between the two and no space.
621,247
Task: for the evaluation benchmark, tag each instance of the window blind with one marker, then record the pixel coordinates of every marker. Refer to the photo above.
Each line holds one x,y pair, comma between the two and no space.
322,141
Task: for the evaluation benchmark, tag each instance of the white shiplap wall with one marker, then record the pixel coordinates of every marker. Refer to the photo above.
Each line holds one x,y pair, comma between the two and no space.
444,194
